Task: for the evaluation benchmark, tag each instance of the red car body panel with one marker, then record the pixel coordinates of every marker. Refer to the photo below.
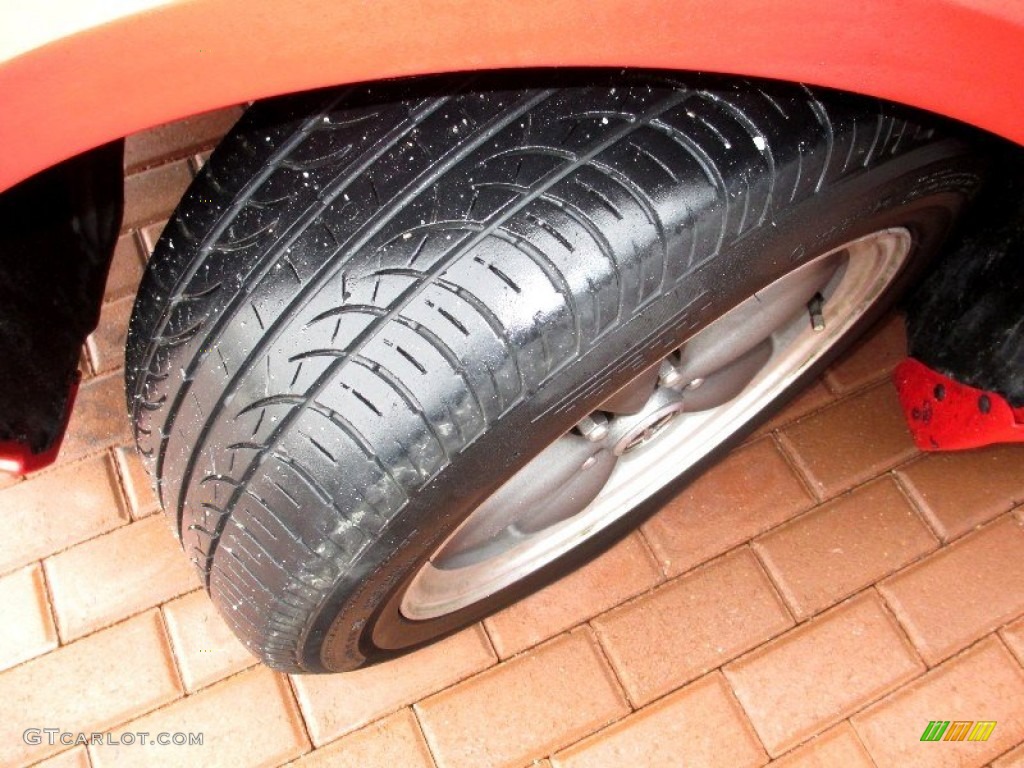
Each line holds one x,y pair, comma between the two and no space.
77,73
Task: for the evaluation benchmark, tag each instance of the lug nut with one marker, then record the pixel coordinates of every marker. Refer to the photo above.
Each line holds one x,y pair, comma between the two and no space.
594,427
668,375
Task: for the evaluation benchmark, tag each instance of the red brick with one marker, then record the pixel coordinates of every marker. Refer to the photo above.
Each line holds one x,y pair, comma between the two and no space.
952,598
872,358
525,708
811,399
842,547
99,419
983,683
851,441
820,672
691,625
624,571
178,139
838,747
204,646
153,194
125,269
57,509
89,685
76,757
138,488
334,705
106,344
1012,759
249,719
701,725
960,491
750,491
1013,634
27,628
115,575
395,741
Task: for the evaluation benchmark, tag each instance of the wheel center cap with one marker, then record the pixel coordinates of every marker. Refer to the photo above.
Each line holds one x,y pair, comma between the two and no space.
647,429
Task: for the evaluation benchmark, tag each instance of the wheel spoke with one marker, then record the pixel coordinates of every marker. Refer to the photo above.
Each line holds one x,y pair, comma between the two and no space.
724,384
754,320
554,486
633,397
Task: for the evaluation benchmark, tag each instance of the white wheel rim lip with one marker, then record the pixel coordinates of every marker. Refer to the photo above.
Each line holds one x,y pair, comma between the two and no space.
874,262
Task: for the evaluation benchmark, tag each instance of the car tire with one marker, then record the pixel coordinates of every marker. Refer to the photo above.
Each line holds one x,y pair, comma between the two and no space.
377,305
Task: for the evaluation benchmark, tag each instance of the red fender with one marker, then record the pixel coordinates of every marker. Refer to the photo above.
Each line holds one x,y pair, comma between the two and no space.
77,73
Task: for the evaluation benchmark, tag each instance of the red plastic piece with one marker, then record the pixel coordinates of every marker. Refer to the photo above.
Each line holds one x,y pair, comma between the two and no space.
945,415
18,459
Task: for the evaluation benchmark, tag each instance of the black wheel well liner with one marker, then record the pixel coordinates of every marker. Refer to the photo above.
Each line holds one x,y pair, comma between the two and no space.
58,231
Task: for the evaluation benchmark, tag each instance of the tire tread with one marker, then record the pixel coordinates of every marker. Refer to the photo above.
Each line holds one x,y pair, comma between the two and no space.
337,238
